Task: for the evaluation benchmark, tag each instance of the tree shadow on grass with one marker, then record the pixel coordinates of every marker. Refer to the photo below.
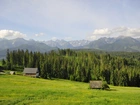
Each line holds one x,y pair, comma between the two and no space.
111,89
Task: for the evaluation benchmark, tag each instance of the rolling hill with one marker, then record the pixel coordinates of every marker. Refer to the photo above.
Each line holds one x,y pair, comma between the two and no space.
21,90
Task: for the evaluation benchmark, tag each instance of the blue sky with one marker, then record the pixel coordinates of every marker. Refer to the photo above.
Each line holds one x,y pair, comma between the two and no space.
69,19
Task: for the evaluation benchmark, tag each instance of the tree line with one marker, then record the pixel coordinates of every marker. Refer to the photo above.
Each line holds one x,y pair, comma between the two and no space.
78,66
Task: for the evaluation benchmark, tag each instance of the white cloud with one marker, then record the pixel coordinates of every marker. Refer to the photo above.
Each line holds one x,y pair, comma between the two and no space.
119,29
91,37
126,31
40,34
54,38
104,31
58,16
115,32
74,18
68,38
133,32
10,34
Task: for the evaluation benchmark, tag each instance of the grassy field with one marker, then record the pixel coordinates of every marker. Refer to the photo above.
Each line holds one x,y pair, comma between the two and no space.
21,90
0,63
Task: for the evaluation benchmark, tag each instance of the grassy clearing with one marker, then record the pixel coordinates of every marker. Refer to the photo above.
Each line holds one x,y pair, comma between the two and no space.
21,90
0,63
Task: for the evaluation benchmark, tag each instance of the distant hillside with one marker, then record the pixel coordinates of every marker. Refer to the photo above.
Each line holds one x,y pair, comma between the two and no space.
23,44
127,44
66,44
123,44
58,43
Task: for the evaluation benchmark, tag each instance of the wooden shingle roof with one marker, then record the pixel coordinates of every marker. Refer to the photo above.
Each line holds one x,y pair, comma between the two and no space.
30,70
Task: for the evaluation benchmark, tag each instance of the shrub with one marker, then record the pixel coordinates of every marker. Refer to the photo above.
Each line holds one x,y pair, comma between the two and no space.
105,86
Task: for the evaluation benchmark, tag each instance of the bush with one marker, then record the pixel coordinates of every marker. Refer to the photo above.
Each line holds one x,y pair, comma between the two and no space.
105,86
72,78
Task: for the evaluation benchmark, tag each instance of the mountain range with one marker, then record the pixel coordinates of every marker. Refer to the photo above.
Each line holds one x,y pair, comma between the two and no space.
62,44
20,43
120,43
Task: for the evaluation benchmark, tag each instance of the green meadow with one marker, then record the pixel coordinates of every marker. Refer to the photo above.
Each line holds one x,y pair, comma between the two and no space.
22,90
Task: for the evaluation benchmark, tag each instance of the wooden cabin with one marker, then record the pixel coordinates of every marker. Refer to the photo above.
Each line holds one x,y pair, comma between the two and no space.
95,84
33,72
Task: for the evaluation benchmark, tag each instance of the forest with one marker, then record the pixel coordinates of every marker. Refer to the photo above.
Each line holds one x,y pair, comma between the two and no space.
80,65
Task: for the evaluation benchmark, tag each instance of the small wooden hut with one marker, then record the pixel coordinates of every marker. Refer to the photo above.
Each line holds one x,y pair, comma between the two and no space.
33,72
95,84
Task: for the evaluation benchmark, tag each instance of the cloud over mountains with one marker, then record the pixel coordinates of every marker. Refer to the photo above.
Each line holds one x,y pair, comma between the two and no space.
10,34
115,32
40,34
97,33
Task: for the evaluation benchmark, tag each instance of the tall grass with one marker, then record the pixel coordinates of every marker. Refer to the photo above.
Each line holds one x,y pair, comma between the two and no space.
21,90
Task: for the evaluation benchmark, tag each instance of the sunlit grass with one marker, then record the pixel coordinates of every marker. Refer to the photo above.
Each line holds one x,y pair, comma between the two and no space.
0,63
23,90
